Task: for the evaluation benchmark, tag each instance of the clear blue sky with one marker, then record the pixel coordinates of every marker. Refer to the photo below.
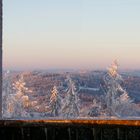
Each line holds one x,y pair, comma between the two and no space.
71,33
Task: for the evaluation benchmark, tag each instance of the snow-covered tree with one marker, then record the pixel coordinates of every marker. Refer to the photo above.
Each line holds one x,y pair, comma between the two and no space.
70,108
18,101
55,102
116,98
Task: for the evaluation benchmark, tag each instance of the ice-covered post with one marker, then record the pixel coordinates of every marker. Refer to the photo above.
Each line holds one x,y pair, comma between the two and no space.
1,58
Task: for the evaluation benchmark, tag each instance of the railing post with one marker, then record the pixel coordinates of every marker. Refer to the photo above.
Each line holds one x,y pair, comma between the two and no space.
69,133
1,59
46,133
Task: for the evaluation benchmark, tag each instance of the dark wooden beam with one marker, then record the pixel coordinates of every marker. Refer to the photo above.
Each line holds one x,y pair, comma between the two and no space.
54,130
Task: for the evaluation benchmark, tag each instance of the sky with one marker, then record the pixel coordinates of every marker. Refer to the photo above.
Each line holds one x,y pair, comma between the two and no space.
77,34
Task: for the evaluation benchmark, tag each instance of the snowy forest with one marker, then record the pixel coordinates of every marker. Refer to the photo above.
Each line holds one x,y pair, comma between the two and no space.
71,95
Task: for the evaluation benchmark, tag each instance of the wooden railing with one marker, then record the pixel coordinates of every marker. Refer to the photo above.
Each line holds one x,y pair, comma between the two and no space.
69,130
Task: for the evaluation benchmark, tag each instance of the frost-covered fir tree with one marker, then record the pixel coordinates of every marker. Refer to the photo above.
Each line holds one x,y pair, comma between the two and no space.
117,100
19,100
55,102
70,108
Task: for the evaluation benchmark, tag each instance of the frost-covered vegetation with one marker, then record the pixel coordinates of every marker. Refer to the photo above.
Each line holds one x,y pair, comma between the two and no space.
37,95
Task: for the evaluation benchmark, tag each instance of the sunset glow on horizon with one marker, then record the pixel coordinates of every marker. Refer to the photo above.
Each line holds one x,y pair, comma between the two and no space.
75,34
